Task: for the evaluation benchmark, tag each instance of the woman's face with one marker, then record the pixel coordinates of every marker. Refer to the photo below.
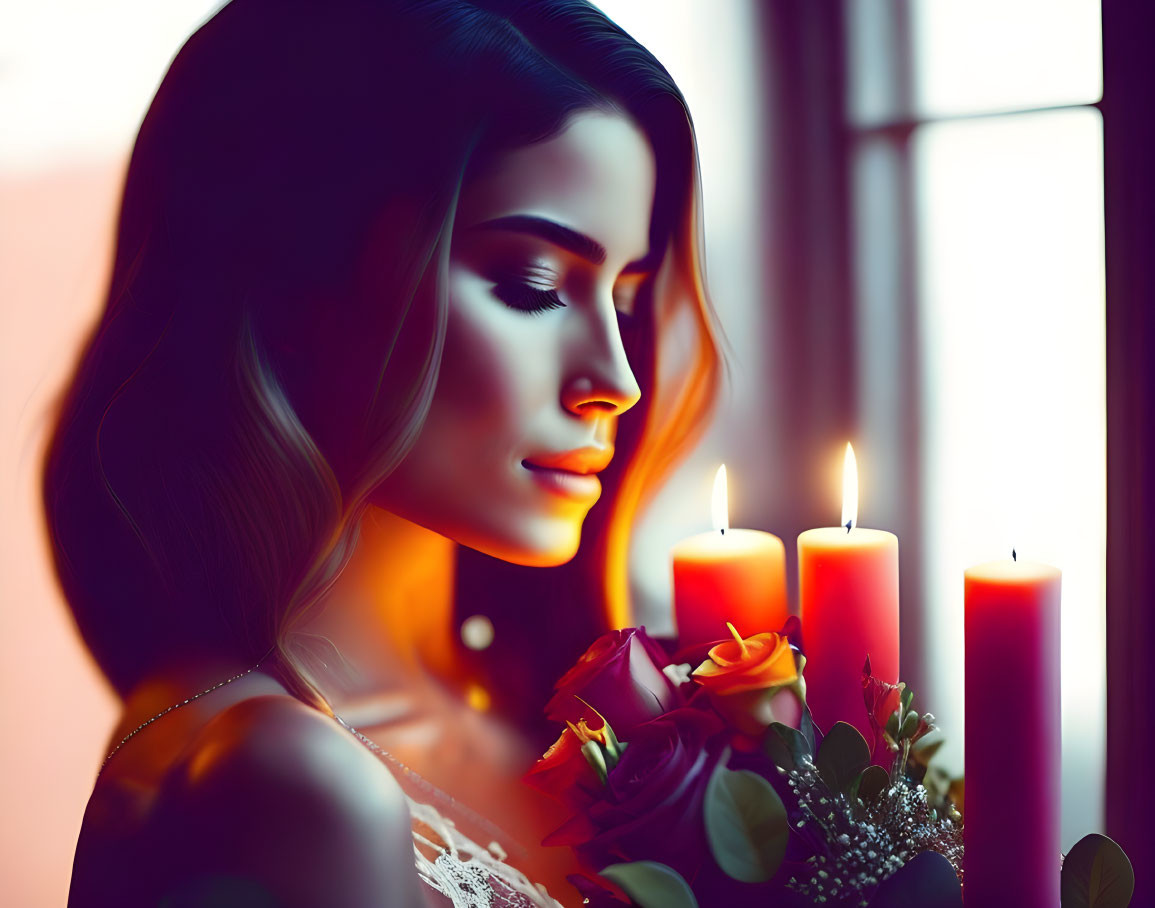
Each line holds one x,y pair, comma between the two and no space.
546,257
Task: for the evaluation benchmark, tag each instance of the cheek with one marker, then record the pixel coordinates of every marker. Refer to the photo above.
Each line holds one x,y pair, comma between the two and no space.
496,375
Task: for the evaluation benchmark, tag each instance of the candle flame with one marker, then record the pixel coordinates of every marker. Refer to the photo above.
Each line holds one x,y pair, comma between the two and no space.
719,508
849,489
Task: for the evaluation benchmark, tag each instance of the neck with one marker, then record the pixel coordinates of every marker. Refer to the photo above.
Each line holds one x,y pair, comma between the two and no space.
390,613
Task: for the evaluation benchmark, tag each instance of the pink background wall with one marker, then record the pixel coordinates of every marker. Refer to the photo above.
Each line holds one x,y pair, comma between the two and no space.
55,708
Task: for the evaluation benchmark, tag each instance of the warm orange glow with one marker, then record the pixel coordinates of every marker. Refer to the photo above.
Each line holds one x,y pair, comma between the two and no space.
849,489
477,697
719,506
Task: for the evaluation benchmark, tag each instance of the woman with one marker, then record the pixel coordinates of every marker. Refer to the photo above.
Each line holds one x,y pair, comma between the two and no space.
392,282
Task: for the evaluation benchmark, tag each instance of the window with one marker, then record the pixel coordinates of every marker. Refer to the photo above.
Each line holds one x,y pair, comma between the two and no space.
976,153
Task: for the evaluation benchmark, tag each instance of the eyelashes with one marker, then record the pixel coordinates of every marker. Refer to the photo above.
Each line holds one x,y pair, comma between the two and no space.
525,298
535,300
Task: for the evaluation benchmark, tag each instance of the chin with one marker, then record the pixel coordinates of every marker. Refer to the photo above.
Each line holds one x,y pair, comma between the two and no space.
549,546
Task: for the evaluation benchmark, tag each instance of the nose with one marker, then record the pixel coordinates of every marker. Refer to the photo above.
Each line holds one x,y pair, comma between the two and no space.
601,380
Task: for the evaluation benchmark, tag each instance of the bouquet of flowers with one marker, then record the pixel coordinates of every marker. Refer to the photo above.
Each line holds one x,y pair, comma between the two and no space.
701,780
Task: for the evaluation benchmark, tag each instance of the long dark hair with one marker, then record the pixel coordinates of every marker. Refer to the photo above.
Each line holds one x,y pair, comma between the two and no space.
274,321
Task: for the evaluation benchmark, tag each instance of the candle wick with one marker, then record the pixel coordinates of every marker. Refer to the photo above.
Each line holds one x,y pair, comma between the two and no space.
722,530
1014,555
849,524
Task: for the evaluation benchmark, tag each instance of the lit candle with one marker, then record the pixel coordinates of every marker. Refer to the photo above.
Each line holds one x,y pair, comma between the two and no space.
848,596
1012,734
728,575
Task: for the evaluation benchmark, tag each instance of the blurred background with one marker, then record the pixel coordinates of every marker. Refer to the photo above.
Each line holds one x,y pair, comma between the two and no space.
905,228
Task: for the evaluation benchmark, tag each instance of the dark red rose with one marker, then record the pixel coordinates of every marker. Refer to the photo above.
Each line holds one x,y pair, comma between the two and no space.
621,677
651,808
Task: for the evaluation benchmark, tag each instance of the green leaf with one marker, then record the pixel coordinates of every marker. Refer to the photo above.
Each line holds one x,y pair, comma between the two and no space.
1096,874
806,726
651,884
841,756
907,698
786,746
873,782
614,747
745,824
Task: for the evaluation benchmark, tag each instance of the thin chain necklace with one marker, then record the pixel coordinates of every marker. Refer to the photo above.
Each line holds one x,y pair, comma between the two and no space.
164,712
431,791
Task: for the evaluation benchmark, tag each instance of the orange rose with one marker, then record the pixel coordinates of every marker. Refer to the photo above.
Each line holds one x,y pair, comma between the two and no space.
755,663
754,681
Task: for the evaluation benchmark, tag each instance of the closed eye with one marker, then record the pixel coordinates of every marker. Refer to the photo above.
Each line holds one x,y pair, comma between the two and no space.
525,298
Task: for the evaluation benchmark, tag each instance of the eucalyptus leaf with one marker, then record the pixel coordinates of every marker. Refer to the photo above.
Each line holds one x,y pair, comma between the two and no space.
1096,874
842,755
806,726
873,782
786,746
651,884
746,825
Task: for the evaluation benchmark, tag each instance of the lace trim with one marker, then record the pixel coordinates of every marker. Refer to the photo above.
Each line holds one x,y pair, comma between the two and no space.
449,861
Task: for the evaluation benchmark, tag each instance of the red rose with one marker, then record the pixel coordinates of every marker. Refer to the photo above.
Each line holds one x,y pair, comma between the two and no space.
651,807
881,699
621,677
565,774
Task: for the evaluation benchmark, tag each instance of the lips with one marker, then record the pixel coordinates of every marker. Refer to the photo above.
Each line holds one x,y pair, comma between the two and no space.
582,460
570,473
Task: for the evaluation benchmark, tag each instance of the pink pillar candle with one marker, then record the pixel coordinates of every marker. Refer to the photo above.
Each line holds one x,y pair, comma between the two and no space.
848,596
1012,736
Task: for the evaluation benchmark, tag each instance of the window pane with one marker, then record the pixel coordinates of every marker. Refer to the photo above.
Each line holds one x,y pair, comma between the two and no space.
1014,415
878,61
910,59
976,56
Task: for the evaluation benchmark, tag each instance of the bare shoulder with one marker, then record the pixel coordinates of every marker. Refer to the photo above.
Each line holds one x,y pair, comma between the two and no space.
270,742
276,796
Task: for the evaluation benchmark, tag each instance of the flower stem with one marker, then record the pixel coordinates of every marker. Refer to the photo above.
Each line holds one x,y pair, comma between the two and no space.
900,764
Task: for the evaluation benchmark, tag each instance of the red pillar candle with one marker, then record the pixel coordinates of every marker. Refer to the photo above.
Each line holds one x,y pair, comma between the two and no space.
1012,737
848,596
728,575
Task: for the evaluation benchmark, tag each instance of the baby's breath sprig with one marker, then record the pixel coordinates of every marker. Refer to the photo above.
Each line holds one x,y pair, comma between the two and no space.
865,842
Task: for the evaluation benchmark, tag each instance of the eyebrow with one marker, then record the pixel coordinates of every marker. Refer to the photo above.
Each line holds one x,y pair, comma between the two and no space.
551,231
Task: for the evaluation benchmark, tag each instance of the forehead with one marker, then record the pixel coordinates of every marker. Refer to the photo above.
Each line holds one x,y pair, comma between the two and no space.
596,176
